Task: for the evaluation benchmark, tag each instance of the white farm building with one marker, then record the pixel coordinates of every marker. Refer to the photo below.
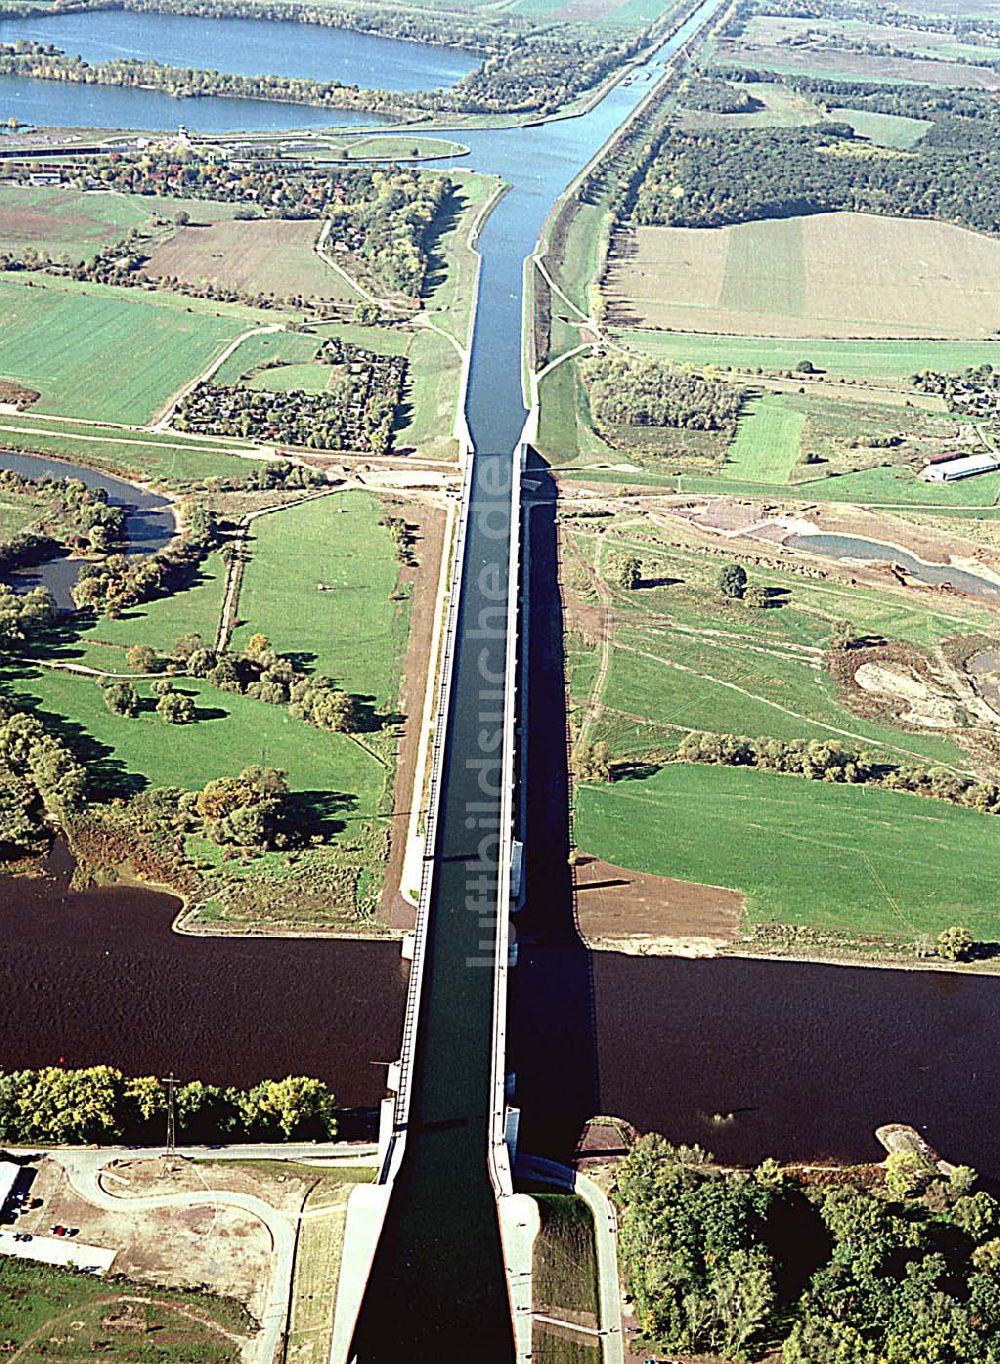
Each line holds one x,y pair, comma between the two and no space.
954,469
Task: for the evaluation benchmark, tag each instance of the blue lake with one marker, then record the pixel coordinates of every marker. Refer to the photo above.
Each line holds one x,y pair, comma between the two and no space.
249,47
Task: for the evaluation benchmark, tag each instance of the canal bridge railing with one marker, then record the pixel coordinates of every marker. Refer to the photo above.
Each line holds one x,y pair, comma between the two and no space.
392,1136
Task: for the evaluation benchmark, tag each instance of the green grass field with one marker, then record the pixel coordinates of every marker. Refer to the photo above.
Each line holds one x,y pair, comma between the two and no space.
855,859
685,659
885,130
565,1259
353,633
230,733
175,461
290,348
869,360
158,623
307,378
768,444
104,354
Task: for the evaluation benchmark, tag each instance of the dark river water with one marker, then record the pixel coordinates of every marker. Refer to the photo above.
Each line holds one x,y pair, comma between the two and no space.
149,520
807,1059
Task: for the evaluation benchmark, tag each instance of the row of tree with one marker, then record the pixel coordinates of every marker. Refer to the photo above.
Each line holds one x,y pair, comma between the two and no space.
899,1270
833,760
528,67
114,584
100,1104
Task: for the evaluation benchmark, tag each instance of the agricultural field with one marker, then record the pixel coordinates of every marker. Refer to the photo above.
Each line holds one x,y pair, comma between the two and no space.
58,221
873,362
71,1313
256,256
113,355
649,665
855,860
836,50
829,275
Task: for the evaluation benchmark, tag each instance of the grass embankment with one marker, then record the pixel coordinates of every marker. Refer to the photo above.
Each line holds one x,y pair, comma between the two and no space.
317,1264
564,1280
106,354
170,460
69,1316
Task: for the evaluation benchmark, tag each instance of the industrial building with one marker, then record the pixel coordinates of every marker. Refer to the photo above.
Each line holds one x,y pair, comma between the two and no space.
950,471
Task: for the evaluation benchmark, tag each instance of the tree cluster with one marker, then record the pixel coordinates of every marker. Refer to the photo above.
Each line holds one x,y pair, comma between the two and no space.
266,675
69,516
973,392
118,582
358,416
902,1274
626,390
24,616
40,781
739,175
100,1104
387,215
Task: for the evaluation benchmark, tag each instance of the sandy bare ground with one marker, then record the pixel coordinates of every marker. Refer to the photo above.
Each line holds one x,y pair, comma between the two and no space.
627,911
169,1247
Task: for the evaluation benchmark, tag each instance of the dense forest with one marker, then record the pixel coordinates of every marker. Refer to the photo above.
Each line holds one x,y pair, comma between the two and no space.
627,390
734,176
872,1266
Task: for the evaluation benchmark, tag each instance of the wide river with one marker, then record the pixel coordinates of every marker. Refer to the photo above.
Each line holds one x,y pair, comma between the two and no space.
795,1060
